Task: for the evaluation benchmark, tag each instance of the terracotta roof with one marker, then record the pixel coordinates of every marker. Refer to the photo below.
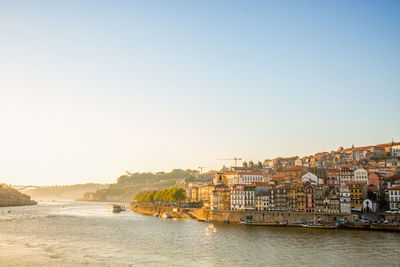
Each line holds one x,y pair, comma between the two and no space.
244,173
294,168
333,174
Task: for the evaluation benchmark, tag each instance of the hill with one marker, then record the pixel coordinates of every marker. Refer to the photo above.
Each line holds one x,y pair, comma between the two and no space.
12,197
128,185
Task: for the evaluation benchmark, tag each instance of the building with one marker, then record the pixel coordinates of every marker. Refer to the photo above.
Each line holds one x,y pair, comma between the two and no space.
219,177
281,197
394,197
331,201
346,175
309,197
358,192
243,177
375,179
220,199
300,199
311,178
361,175
243,197
345,200
205,193
262,201
333,180
395,151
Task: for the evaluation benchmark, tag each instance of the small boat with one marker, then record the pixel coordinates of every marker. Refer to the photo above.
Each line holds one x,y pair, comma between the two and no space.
320,226
199,220
115,208
207,220
156,215
261,223
166,216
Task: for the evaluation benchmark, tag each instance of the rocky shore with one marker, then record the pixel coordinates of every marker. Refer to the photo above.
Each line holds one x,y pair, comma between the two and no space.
11,197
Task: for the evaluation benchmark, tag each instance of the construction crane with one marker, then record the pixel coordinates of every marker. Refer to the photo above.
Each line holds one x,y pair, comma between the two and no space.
202,167
235,159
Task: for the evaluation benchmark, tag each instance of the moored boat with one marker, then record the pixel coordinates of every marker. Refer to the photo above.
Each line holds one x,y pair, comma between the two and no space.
320,226
115,208
261,223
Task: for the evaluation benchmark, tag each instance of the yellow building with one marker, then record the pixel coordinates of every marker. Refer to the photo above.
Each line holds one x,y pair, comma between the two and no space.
205,192
358,192
220,178
221,197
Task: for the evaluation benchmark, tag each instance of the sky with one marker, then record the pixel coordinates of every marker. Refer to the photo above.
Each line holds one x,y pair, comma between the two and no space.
90,89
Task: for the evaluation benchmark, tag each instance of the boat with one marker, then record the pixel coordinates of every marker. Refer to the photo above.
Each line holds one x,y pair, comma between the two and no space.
115,208
156,215
166,216
320,226
262,223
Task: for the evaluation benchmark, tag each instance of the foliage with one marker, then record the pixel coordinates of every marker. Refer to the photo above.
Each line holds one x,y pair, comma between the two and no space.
148,177
173,194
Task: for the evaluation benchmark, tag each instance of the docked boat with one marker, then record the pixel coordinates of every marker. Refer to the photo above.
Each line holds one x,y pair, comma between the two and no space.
115,208
320,226
156,215
261,223
166,216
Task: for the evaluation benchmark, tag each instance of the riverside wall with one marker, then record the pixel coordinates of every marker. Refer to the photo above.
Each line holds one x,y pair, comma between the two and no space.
274,216
236,216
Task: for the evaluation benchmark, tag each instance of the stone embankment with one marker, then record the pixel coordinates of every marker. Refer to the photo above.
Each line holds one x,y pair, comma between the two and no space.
11,197
226,216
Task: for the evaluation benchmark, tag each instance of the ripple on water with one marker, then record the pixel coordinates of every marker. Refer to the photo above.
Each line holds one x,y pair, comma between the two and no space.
86,233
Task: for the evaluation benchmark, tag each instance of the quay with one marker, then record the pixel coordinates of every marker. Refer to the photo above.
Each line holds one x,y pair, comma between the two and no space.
294,219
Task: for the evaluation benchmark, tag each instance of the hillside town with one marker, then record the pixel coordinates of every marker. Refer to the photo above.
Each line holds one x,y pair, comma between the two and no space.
356,180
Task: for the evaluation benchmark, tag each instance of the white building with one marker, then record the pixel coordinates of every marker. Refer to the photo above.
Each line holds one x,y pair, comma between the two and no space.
361,175
395,151
345,200
243,197
244,177
311,177
394,197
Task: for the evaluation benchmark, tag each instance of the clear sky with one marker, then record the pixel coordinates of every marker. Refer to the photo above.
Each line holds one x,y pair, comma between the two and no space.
90,89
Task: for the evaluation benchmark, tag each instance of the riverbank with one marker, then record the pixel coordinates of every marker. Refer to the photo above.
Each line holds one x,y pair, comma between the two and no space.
10,197
296,219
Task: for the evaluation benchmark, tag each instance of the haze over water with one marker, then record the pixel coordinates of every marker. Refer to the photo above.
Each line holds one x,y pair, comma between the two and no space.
78,233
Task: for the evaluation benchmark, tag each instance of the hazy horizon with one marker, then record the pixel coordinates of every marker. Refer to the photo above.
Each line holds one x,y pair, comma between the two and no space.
91,90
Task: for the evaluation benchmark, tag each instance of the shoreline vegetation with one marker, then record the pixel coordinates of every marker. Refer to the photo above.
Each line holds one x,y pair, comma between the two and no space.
10,197
129,185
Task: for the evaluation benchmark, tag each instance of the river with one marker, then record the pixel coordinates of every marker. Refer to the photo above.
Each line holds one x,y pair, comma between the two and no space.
86,233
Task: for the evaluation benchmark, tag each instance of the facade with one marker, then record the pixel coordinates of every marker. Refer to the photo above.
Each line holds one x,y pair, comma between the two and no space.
375,179
233,178
262,202
220,199
394,197
243,197
310,177
361,175
346,175
333,180
331,202
395,151
281,195
358,192
309,198
345,200
300,197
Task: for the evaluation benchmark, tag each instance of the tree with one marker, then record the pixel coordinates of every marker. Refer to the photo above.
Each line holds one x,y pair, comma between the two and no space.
260,165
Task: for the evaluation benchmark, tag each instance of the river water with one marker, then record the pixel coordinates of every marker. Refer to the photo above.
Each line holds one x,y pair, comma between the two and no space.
85,233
